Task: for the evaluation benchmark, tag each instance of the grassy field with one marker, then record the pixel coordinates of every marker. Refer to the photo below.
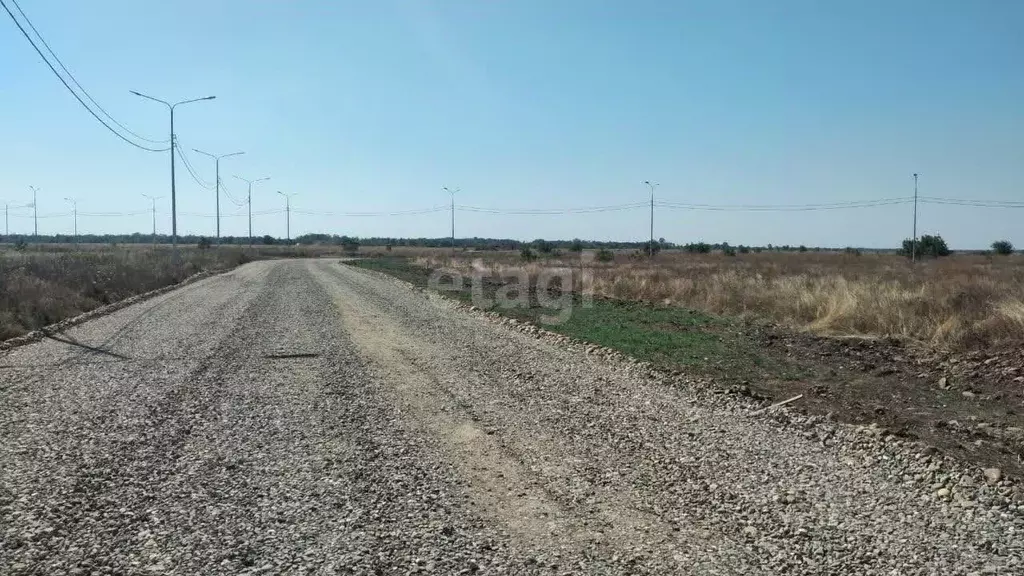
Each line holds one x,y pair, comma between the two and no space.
960,302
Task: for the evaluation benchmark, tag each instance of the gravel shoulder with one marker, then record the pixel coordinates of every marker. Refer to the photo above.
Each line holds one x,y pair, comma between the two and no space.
305,417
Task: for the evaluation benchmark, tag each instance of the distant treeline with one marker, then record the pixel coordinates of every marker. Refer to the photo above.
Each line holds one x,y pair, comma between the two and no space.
474,243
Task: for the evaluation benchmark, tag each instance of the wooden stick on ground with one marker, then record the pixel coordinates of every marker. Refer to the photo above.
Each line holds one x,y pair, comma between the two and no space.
777,404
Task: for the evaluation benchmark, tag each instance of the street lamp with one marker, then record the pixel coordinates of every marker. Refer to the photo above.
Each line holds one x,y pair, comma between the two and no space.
174,204
217,160
250,183
35,213
74,211
452,192
154,199
650,247
288,213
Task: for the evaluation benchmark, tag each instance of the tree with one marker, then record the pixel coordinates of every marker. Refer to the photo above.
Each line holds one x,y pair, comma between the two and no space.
927,245
651,249
527,255
604,255
1002,247
698,248
576,245
204,243
543,246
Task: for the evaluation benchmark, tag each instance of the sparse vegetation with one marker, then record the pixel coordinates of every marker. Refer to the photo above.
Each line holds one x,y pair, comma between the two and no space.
604,255
959,302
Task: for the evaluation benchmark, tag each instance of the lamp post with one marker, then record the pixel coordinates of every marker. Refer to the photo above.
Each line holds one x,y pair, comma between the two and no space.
174,204
288,213
74,212
217,160
153,199
35,214
650,247
249,201
452,192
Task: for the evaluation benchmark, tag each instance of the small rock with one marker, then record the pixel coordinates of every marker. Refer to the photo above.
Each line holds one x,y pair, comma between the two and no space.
942,492
968,394
993,475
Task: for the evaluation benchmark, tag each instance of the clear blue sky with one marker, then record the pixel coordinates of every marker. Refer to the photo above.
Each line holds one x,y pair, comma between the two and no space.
374,106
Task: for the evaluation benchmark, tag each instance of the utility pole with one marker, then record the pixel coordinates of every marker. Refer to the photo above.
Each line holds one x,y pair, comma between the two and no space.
174,205
35,213
913,243
74,211
217,160
288,213
250,183
452,192
153,199
650,247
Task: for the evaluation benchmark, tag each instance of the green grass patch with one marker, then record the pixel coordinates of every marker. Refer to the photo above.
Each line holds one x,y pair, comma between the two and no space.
668,337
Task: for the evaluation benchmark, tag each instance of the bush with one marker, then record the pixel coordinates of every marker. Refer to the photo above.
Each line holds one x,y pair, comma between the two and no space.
744,250
728,250
698,248
802,248
204,243
852,251
576,246
527,254
927,245
1002,247
651,248
543,246
268,240
604,255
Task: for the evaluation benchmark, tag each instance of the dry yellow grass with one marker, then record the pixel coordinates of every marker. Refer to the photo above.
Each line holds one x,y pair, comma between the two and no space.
958,302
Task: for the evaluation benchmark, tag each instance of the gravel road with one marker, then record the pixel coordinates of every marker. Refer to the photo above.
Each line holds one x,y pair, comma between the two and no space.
306,417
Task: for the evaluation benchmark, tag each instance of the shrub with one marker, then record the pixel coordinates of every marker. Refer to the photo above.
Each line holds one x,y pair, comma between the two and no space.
204,243
851,250
543,246
698,248
802,248
651,248
744,250
576,246
604,255
927,245
1002,247
527,254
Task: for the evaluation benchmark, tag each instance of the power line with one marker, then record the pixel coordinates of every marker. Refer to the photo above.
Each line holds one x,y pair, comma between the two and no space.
190,169
361,214
73,79
784,207
976,203
548,211
66,85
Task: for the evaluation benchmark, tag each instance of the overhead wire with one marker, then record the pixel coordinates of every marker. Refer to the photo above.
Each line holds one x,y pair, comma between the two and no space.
79,85
190,169
548,211
975,203
783,207
68,86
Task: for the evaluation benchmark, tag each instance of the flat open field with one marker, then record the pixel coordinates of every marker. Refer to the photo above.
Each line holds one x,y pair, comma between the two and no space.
960,302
